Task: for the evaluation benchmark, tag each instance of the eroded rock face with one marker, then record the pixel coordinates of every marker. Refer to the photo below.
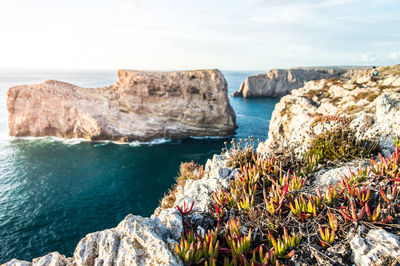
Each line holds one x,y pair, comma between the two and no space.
135,241
280,82
371,105
140,106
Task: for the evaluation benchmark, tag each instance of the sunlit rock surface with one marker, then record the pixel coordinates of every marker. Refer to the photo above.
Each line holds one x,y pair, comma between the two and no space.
140,106
371,105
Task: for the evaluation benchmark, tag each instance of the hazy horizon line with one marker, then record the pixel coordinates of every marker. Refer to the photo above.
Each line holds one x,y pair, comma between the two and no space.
87,70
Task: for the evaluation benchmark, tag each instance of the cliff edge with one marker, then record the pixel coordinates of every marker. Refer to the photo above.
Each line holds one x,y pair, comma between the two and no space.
370,106
140,106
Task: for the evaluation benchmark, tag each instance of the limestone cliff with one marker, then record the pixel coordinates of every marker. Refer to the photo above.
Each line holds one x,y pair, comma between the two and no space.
372,105
280,82
140,106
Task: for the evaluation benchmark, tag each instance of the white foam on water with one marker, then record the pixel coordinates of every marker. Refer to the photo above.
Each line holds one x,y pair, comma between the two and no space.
152,142
209,137
72,141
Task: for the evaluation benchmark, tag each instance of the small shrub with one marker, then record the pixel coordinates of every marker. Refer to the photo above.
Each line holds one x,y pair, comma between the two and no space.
340,144
241,152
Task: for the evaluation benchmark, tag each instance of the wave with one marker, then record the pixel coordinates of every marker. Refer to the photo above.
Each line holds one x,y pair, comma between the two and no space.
74,141
152,142
211,137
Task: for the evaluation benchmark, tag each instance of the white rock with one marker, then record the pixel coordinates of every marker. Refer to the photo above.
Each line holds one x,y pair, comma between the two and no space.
330,177
294,121
51,259
377,248
135,241
15,262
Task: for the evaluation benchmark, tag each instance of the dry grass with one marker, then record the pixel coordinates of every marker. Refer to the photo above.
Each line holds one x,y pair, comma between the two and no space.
189,170
368,95
169,198
241,152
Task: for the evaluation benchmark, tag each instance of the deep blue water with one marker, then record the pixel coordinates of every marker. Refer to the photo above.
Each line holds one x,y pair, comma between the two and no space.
52,193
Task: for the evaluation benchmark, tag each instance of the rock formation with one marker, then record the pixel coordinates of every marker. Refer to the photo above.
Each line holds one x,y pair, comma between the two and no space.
280,82
372,106
140,106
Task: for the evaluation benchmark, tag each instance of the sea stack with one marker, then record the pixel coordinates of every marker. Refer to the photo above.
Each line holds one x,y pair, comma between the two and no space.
140,106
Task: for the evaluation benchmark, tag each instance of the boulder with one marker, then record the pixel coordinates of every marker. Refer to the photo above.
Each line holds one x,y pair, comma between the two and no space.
135,241
140,106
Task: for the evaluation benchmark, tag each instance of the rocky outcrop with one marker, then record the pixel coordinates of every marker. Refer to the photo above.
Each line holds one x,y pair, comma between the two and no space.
371,105
140,106
280,82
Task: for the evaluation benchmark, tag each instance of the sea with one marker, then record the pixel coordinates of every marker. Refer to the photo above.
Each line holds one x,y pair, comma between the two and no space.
55,191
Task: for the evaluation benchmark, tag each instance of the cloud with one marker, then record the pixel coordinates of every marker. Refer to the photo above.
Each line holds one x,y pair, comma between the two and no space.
368,57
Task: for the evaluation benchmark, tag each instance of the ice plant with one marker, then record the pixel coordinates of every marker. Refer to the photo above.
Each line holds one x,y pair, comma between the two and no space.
189,250
353,216
327,236
363,196
219,213
302,208
186,209
239,245
332,221
311,166
375,215
292,181
391,194
268,257
280,247
387,166
293,240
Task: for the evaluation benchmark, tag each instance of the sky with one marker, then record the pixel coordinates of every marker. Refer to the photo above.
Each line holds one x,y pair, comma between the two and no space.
186,34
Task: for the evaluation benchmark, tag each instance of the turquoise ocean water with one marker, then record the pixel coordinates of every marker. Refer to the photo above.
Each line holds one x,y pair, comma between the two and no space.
54,192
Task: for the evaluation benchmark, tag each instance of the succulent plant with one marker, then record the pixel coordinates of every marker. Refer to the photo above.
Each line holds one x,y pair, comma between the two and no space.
352,216
302,208
186,209
389,167
327,236
293,240
280,247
